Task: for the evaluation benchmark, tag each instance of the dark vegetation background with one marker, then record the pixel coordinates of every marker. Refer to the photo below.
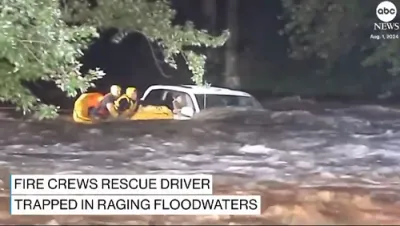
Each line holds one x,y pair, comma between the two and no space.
262,60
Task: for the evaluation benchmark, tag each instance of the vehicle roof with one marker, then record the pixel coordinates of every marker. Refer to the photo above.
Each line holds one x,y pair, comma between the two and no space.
202,90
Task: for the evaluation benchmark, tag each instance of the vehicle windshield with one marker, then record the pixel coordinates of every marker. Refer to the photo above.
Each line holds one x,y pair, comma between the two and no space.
214,100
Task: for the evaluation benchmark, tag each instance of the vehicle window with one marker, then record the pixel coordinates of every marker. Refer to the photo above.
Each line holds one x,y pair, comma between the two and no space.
210,101
155,97
181,99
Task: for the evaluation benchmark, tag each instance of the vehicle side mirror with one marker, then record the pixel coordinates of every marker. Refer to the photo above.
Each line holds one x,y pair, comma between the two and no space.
187,111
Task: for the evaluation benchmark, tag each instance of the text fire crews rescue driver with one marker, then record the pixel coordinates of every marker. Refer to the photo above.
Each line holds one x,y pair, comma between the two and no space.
114,183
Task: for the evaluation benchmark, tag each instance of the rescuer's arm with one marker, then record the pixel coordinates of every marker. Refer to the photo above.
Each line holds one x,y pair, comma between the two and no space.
129,113
111,109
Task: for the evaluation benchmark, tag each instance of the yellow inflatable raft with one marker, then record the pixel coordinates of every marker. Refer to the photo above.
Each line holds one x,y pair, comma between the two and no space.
88,100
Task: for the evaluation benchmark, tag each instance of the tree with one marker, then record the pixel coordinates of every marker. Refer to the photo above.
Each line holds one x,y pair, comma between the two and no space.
154,20
210,16
231,77
327,30
36,44
39,41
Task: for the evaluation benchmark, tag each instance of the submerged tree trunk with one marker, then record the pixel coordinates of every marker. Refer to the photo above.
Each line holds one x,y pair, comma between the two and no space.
231,76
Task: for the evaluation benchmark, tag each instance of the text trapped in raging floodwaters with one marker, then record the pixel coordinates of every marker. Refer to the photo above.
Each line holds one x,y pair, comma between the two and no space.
124,195
135,205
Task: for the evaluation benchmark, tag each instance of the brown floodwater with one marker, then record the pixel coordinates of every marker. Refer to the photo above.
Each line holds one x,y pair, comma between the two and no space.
313,164
281,204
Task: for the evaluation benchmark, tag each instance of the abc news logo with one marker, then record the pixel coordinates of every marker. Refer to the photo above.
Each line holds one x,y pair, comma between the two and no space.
386,12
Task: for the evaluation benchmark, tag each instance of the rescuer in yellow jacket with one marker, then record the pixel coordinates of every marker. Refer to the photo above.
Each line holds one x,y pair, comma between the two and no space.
127,105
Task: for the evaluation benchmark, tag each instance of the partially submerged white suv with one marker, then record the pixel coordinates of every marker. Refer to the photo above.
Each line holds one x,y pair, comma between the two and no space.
197,98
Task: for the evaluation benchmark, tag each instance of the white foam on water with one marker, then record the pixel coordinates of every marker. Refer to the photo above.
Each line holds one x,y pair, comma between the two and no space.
306,148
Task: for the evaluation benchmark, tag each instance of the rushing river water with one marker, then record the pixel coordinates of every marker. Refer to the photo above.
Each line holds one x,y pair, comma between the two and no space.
302,143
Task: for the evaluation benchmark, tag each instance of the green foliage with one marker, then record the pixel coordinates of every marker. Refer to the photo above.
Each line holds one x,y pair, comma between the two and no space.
328,30
46,112
36,44
153,19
